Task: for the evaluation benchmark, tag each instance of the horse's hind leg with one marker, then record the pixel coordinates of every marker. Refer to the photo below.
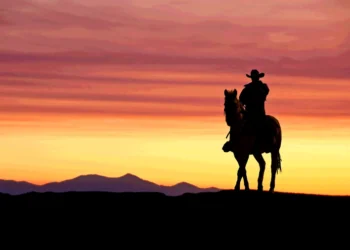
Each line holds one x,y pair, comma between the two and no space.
242,160
274,167
259,158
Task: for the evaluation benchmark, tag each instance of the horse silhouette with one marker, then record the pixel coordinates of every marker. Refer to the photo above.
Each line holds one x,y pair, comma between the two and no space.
243,145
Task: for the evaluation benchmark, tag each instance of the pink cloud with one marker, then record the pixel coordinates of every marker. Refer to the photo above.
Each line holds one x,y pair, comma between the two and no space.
162,27
59,53
321,66
199,96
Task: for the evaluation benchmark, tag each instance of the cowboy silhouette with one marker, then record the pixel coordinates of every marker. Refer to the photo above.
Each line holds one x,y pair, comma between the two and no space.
253,97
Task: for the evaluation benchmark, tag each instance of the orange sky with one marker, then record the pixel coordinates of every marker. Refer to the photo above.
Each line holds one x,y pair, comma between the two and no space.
113,87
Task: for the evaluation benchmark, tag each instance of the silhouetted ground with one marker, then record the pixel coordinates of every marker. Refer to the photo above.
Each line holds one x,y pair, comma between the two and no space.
225,219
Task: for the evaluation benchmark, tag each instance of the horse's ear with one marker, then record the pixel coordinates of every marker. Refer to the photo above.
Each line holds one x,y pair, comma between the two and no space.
235,92
225,92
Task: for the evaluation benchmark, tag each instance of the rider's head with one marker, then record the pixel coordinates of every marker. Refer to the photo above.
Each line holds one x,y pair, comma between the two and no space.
255,75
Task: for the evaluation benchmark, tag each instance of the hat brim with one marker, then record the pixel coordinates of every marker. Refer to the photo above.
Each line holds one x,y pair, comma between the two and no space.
261,75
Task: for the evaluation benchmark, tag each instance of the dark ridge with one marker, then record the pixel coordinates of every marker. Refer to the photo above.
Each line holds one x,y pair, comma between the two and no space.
225,199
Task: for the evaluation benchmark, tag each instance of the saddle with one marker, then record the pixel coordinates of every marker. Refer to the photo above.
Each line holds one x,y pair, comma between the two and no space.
254,126
258,128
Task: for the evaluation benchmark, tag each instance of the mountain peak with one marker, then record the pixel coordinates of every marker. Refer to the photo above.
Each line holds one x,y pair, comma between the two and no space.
89,177
184,184
129,176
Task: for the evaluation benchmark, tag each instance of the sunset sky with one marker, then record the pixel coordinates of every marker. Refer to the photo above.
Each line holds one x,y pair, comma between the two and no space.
111,87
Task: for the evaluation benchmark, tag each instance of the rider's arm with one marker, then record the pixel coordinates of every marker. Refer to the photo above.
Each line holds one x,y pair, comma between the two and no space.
242,97
266,89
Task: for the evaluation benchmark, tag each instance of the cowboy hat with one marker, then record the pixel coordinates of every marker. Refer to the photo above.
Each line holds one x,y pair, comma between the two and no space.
255,73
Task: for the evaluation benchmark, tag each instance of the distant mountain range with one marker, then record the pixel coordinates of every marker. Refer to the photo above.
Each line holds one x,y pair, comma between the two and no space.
85,183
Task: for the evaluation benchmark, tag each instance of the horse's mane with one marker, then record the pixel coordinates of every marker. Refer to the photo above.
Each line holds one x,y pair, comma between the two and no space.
233,109
232,100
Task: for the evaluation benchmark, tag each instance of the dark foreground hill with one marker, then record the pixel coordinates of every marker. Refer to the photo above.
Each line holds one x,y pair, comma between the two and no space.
226,217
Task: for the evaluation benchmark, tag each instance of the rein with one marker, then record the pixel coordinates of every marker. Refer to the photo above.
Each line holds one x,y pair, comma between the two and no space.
240,110
230,129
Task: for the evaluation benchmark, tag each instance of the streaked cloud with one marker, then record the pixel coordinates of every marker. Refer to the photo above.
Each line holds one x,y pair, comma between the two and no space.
146,57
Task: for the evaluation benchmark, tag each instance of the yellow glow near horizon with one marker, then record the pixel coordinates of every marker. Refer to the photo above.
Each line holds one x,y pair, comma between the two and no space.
311,163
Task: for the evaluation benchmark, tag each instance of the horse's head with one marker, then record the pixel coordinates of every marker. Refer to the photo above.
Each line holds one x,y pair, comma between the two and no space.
233,107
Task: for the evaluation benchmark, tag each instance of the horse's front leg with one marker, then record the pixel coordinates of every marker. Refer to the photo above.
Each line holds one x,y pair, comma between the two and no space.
242,160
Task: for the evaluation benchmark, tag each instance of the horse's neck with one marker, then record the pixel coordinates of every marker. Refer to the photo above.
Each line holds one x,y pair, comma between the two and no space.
236,129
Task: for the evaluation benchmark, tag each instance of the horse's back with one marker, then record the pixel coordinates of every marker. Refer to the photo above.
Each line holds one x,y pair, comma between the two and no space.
273,121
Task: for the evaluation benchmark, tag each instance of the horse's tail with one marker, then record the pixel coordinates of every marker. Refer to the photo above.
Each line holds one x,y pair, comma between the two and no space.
279,160
277,142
